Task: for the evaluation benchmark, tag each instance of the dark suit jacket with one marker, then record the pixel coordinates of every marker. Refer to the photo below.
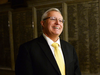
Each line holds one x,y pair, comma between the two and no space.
36,58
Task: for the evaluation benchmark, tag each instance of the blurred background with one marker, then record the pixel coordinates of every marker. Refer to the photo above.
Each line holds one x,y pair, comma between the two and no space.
20,22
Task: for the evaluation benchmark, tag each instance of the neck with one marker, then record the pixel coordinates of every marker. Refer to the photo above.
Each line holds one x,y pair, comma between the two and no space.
53,37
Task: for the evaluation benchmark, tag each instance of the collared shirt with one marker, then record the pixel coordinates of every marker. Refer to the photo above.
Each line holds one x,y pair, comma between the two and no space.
49,41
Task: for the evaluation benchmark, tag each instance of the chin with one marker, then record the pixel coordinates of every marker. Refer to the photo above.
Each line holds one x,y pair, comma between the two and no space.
57,34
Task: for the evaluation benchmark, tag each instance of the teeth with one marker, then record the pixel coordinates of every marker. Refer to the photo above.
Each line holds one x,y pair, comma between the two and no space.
56,27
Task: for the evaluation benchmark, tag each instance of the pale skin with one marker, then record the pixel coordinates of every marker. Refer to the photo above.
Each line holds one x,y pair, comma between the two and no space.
52,29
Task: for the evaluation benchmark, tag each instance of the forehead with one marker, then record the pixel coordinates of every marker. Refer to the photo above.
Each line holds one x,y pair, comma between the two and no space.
54,14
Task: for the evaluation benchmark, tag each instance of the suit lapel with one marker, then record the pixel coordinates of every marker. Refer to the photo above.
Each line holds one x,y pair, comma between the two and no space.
66,54
46,49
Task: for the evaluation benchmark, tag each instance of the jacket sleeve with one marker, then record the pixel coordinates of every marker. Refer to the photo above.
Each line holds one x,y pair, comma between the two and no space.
23,65
76,64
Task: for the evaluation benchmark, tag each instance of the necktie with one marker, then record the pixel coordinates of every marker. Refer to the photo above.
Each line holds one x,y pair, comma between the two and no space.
59,58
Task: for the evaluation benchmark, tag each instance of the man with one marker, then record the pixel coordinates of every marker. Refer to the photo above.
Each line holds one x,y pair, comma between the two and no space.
38,57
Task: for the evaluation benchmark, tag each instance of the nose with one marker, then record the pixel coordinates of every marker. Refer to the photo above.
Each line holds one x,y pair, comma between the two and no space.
57,22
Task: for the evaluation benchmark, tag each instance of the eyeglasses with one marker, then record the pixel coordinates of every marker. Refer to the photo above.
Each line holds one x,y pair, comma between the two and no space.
54,19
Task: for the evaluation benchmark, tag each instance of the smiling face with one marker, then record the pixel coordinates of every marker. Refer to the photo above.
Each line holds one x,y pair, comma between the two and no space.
52,27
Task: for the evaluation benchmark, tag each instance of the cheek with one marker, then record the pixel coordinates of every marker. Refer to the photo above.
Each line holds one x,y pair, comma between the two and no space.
50,25
62,26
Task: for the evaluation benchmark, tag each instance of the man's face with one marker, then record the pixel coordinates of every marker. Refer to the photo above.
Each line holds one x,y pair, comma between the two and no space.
53,25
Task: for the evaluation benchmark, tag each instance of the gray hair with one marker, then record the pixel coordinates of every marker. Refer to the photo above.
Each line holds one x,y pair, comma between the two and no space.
46,13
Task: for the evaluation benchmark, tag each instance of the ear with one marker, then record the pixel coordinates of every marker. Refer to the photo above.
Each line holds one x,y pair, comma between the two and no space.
42,23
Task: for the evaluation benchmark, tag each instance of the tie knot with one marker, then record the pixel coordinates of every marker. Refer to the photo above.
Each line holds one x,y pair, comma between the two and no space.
55,45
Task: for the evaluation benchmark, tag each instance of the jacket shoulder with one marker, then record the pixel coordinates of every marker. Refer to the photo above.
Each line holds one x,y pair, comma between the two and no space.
66,43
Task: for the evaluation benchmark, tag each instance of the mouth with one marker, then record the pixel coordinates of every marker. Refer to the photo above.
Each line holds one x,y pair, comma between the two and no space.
56,27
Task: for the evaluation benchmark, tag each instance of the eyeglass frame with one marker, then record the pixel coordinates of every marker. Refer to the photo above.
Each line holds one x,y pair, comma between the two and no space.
54,18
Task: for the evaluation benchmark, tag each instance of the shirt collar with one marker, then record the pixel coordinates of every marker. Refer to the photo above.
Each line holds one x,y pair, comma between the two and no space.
50,41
